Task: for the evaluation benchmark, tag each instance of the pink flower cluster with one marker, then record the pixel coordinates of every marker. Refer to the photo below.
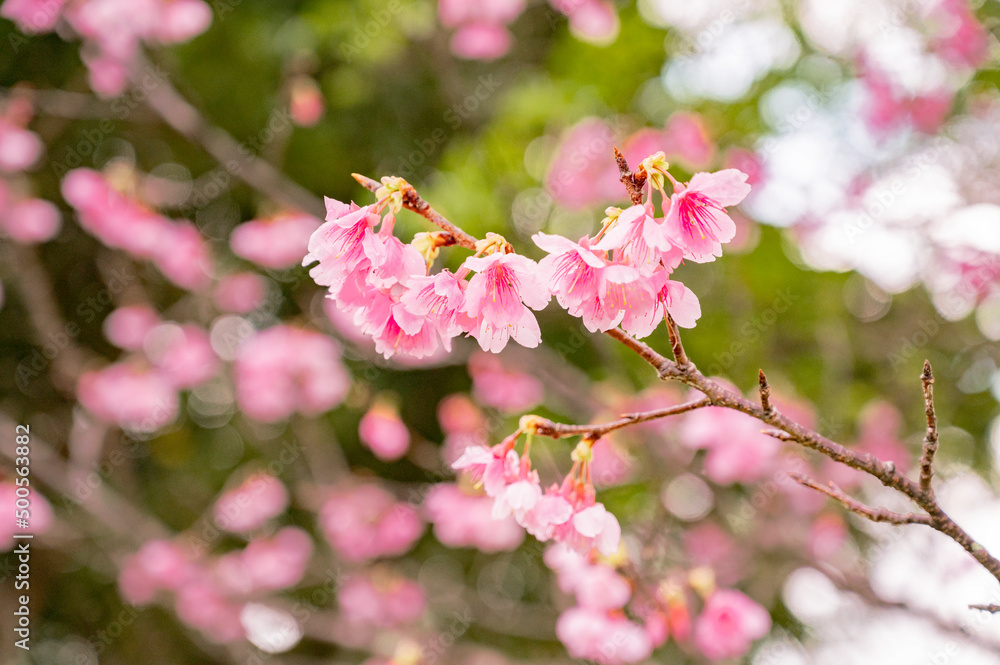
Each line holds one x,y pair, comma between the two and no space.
597,628
618,277
176,248
209,592
366,522
621,275
481,26
285,370
113,30
566,513
384,284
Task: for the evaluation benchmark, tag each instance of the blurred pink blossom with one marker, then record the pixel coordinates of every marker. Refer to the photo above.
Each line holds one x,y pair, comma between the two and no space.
509,390
127,326
383,432
30,221
366,522
381,598
39,509
284,370
252,503
728,625
136,398
276,242
240,293
464,520
183,354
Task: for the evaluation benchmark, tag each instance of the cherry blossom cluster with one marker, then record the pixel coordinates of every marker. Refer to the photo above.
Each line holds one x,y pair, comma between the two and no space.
481,27
113,30
620,276
23,218
566,513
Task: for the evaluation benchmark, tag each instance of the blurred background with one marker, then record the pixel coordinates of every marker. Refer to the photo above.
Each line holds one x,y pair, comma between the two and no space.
209,436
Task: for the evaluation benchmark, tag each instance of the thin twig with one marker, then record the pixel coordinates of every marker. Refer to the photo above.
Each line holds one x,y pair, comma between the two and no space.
413,202
555,430
931,437
676,346
855,506
991,608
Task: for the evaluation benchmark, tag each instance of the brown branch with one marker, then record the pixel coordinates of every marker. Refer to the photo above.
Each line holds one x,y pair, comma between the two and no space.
680,357
413,202
991,608
931,437
855,506
554,430
633,182
884,471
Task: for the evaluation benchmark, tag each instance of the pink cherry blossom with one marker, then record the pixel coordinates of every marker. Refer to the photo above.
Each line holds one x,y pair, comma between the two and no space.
366,522
611,465
240,293
203,606
439,298
126,327
640,240
498,298
134,397
184,256
580,276
339,245
251,504
30,221
697,221
728,625
465,520
40,513
276,242
383,432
